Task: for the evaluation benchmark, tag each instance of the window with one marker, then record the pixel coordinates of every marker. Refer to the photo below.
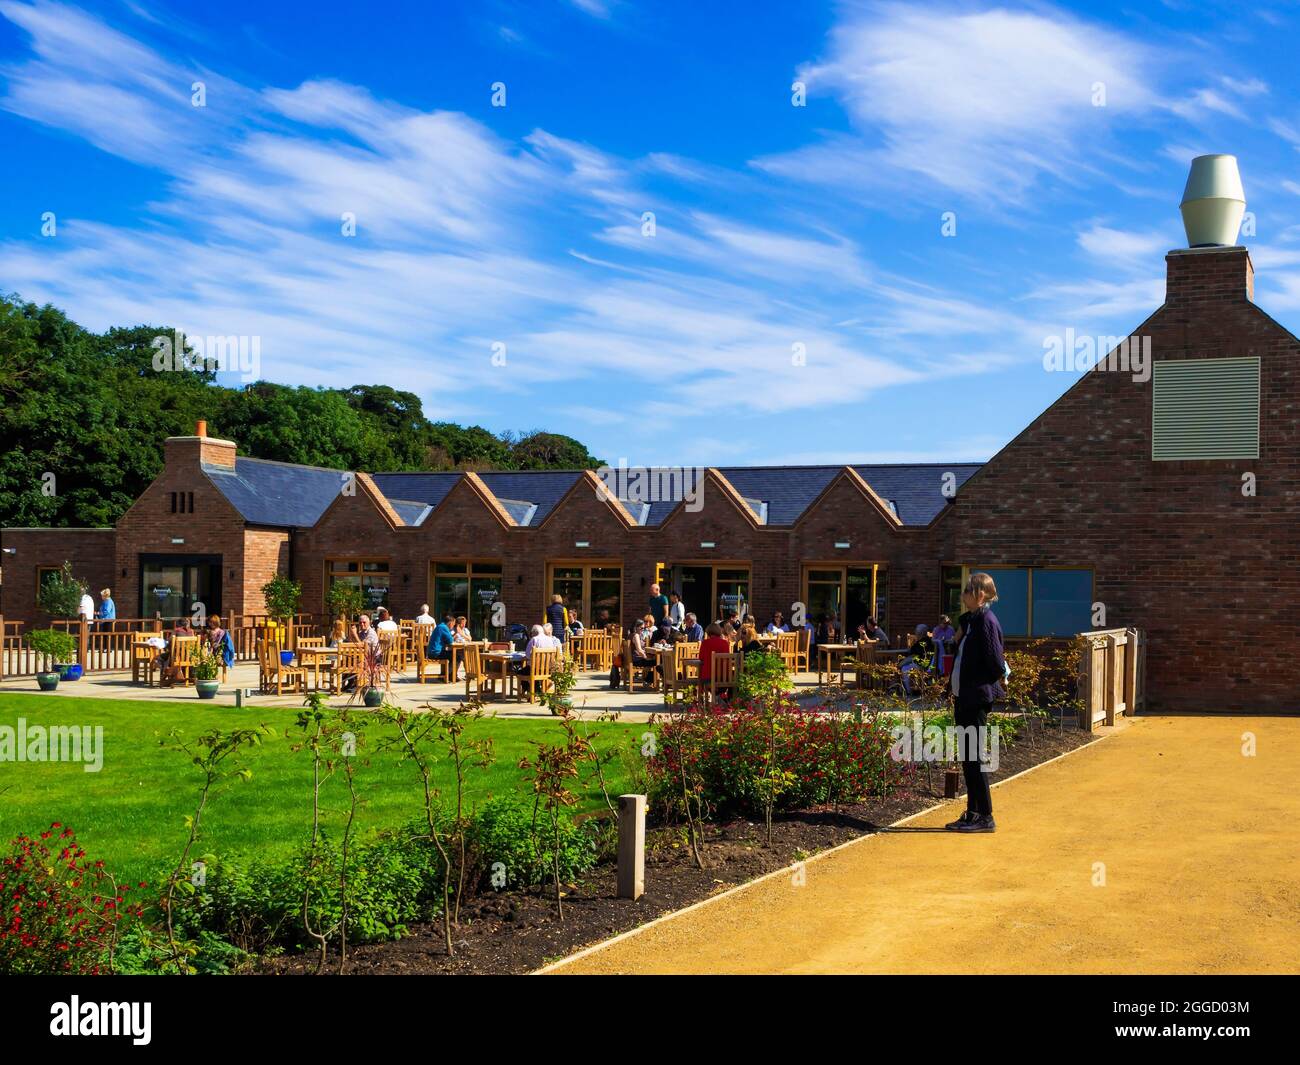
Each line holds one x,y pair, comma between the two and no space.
370,575
1038,602
182,502
468,590
593,593
1205,409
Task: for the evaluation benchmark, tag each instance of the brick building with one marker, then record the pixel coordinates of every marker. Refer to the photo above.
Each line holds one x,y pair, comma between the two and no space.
1165,497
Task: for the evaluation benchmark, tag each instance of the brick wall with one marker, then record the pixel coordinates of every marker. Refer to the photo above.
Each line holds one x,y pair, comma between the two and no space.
91,552
1177,549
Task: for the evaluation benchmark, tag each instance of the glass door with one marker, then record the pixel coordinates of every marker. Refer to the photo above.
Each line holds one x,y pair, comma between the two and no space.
181,586
469,590
592,593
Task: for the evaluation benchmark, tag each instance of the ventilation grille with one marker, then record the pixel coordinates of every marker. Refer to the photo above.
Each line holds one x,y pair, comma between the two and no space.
1205,409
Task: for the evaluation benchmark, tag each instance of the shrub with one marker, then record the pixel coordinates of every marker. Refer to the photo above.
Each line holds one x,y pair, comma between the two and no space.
58,645
256,904
764,675
504,830
60,593
282,597
344,600
62,913
820,757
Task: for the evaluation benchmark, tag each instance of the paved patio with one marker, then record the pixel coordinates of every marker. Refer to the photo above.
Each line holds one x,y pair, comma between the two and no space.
591,698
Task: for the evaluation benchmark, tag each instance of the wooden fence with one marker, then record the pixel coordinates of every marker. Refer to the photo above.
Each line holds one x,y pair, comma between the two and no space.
1112,676
105,646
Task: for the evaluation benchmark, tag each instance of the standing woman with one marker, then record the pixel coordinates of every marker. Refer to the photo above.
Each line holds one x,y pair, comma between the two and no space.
976,681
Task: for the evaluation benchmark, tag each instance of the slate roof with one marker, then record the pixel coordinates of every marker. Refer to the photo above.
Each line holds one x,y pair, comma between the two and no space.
787,490
277,493
916,491
427,488
545,488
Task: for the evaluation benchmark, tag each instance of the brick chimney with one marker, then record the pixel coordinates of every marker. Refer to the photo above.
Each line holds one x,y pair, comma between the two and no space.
1198,276
199,449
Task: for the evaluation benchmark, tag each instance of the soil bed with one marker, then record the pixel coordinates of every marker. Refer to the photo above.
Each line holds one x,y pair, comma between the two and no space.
518,932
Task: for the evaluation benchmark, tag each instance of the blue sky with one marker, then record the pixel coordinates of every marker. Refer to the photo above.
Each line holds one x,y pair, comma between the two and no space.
797,300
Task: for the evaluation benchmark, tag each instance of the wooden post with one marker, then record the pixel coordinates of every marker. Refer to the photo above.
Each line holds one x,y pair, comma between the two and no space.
3,655
631,846
1130,674
83,641
1108,688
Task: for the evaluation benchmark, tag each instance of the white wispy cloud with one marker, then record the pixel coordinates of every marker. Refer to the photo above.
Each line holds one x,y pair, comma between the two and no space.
980,103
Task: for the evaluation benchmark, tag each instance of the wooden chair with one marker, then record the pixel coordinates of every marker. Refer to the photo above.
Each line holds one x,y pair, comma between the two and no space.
347,664
866,656
629,670
475,675
274,673
311,641
437,666
540,667
678,676
787,646
181,661
596,650
724,672
144,658
802,651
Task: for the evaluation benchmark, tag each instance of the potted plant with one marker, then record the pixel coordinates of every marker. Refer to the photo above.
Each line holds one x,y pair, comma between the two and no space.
370,683
207,667
563,680
342,601
54,645
60,596
283,597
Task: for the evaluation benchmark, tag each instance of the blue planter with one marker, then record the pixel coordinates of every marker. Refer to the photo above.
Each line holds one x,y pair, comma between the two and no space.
286,658
69,671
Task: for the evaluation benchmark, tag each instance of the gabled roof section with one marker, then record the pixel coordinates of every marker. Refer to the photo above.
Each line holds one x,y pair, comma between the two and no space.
787,490
427,488
541,489
916,491
277,493
713,476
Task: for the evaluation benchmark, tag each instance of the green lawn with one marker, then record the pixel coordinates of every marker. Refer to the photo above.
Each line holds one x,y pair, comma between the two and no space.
131,813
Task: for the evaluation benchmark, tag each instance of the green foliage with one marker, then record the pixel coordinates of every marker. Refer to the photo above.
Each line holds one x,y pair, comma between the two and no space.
282,597
344,600
764,676
93,407
60,593
207,663
60,646
393,879
507,832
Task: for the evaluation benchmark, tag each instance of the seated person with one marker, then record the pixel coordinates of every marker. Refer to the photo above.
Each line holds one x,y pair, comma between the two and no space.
829,629
714,642
424,617
748,641
384,623
693,631
338,634
875,632
575,626
642,633
777,624
441,639
461,633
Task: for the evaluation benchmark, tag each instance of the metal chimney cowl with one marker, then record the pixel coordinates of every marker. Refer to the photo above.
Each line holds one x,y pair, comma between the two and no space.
1213,202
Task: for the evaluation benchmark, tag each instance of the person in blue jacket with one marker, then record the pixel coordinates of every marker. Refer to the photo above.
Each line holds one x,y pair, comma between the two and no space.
441,640
977,677
220,641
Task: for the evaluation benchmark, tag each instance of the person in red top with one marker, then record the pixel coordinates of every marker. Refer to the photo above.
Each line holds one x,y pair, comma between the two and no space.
713,643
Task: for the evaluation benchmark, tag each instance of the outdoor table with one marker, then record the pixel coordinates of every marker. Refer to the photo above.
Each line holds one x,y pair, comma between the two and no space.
825,651
310,658
498,663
